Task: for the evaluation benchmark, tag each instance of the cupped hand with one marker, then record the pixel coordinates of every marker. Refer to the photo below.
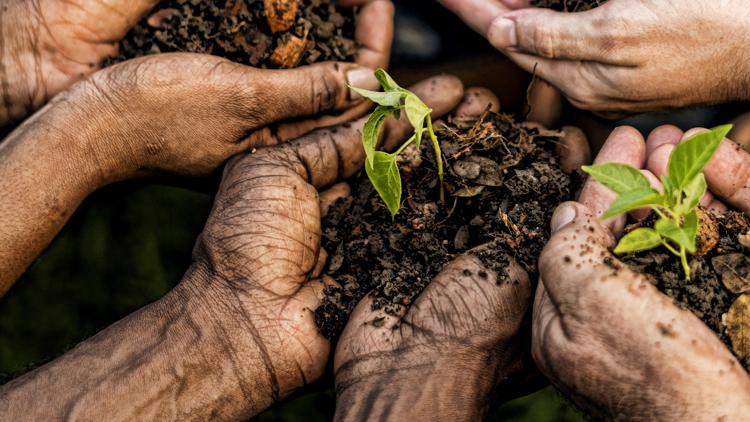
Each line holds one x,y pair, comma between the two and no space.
457,350
261,252
48,45
605,335
626,55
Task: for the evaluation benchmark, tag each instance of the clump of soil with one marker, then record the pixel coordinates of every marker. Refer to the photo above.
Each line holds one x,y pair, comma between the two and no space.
502,184
720,282
568,5
260,33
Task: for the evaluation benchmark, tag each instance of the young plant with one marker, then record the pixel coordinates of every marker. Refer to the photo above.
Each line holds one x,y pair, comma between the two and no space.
684,186
382,167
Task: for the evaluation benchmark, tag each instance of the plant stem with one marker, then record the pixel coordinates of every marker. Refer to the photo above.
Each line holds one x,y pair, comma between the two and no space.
685,266
438,155
405,145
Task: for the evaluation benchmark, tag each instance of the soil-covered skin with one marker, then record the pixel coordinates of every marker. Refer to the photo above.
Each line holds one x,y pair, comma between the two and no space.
502,184
718,279
306,31
568,5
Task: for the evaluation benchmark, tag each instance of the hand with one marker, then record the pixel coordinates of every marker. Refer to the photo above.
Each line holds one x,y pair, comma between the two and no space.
182,114
458,349
606,336
51,44
238,333
627,55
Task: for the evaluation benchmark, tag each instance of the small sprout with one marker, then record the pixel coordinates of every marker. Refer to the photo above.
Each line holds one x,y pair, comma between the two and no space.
382,167
684,186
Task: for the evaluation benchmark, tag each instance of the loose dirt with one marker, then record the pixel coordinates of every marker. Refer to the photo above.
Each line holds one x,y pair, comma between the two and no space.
718,290
568,5
261,33
502,185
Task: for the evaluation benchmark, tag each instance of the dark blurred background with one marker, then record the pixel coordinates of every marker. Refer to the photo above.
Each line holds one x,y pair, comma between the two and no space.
130,243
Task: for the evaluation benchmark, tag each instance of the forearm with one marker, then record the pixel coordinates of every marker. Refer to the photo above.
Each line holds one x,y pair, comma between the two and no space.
47,167
180,358
457,387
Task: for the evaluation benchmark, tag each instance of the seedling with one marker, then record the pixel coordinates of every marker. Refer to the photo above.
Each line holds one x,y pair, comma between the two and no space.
684,186
382,167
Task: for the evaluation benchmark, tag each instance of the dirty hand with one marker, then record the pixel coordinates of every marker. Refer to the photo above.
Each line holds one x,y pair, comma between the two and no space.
238,333
626,55
604,335
457,350
50,44
179,114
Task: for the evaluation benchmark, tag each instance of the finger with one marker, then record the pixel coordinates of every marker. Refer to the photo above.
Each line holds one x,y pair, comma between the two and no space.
320,263
478,14
553,35
666,134
574,149
625,145
375,33
441,93
545,103
333,194
741,131
307,90
476,101
643,213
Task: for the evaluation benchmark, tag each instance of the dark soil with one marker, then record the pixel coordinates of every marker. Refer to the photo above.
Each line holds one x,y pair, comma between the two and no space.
502,185
568,5
707,294
240,30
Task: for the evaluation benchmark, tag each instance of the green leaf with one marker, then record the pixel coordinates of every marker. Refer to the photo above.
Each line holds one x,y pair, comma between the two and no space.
638,240
385,177
416,112
371,130
694,191
620,178
633,200
679,235
389,99
386,81
669,193
691,156
690,226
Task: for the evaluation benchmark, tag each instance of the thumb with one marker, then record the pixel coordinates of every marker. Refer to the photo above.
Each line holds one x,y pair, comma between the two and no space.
549,34
307,90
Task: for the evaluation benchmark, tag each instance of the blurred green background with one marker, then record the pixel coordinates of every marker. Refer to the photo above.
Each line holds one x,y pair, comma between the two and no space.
126,246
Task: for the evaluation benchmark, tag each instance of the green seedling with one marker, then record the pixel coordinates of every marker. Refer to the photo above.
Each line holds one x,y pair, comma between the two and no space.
684,186
382,167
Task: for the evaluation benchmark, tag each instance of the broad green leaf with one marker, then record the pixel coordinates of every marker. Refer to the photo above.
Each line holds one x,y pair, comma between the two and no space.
638,240
690,226
694,191
389,99
620,178
385,177
371,130
669,193
416,112
691,156
633,200
386,81
679,235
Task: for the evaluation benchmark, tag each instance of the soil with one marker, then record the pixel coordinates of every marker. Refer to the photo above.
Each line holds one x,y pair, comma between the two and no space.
260,33
502,184
720,278
568,5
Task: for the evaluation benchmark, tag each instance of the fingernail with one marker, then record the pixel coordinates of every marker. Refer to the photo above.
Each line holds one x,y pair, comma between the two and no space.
361,77
564,215
502,33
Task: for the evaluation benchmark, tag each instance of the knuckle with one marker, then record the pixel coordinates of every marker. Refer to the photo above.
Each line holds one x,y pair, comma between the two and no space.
544,42
324,86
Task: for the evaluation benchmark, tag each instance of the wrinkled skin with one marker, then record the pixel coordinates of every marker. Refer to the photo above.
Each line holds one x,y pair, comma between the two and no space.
605,335
178,114
238,333
627,55
456,351
48,45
